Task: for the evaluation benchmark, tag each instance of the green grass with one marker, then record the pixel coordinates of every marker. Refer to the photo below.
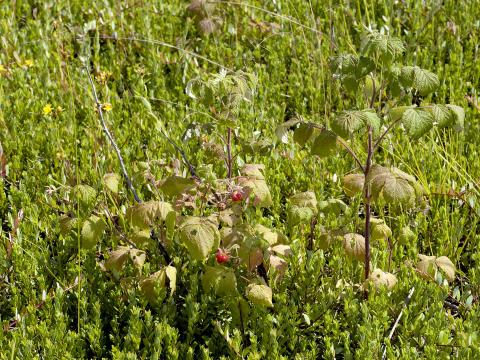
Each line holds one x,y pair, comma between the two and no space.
155,50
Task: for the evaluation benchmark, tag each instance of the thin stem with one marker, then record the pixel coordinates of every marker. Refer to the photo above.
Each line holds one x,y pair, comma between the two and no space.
351,152
112,141
229,153
390,127
372,100
368,209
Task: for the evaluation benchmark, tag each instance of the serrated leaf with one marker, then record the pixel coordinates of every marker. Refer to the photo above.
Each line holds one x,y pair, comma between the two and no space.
446,265
111,181
424,81
386,47
260,295
417,122
398,191
117,258
459,116
145,214
332,206
353,184
92,231
175,186
347,122
354,245
151,284
200,236
254,180
442,115
380,232
298,215
219,279
67,224
84,193
304,199
381,278
406,235
396,113
324,144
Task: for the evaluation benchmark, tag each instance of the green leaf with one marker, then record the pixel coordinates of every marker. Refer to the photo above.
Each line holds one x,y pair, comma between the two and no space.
304,199
119,256
332,206
298,215
260,295
324,144
220,280
111,182
175,186
424,81
406,235
396,113
353,184
442,115
303,133
272,237
380,231
150,285
145,214
200,236
92,231
67,224
459,116
398,191
384,46
84,193
417,122
371,119
348,122
354,245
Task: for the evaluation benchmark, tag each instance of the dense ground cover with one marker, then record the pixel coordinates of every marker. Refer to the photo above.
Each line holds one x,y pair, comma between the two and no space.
76,255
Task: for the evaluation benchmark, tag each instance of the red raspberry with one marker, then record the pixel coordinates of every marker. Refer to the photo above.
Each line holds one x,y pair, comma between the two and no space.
221,256
237,196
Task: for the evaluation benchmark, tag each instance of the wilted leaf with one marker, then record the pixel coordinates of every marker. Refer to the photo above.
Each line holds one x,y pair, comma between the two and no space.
149,285
305,199
283,250
324,144
171,273
279,264
446,266
260,295
219,279
111,181
92,231
254,180
354,245
117,258
426,266
380,278
199,235
145,214
353,184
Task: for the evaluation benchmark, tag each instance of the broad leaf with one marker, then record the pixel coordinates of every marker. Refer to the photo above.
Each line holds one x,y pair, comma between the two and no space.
429,265
175,186
353,184
354,245
260,295
459,116
304,199
282,130
446,265
253,179
384,46
303,133
442,115
84,193
381,278
417,122
347,122
111,181
424,81
332,206
324,144
145,214
298,215
220,280
200,236
92,231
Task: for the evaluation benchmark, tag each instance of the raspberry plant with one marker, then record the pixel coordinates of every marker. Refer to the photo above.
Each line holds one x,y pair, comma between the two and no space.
387,95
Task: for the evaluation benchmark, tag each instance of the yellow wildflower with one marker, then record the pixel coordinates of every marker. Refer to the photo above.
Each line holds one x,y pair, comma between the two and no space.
47,109
107,107
59,109
28,63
